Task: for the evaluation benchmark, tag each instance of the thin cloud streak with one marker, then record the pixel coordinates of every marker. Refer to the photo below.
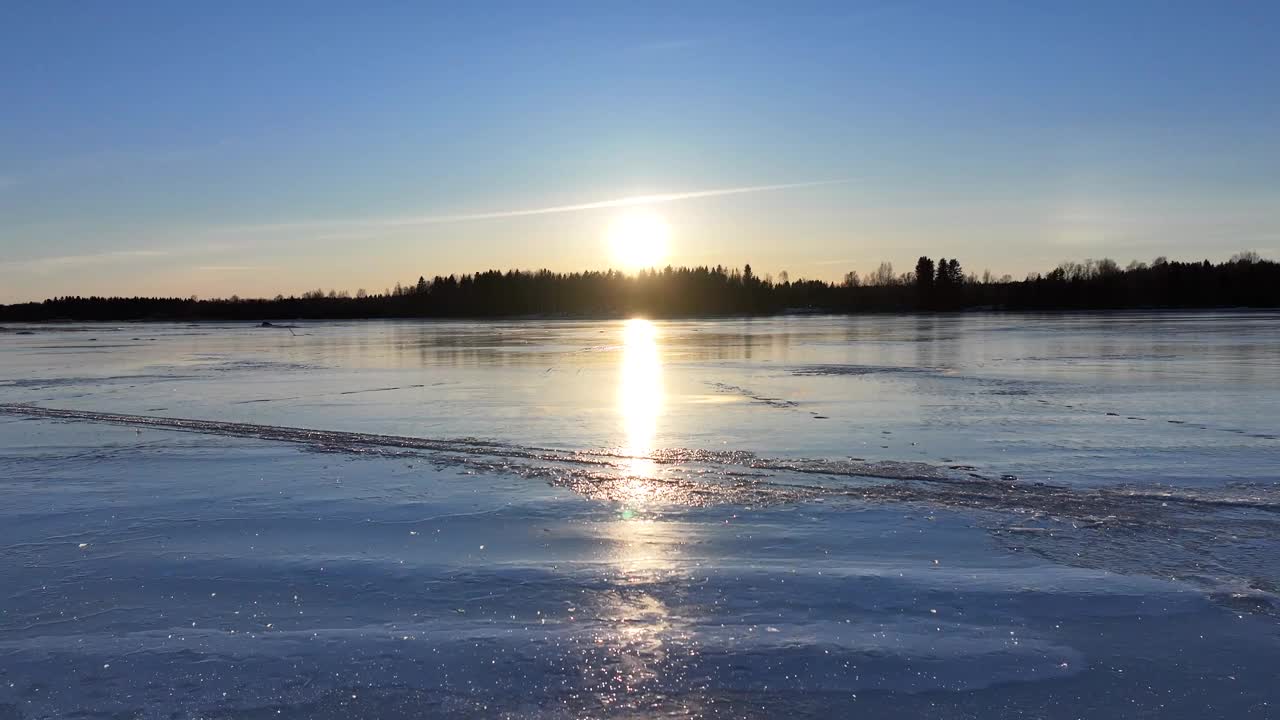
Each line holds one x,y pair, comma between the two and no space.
631,201
53,262
622,202
225,238
45,263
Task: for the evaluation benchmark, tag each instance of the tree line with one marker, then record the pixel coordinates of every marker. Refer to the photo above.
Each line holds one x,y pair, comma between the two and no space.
1246,280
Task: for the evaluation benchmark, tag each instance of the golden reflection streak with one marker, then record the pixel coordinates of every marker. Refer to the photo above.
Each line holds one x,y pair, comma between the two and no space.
640,393
642,544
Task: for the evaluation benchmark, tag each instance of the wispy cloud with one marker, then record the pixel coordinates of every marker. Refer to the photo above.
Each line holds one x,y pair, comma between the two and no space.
620,202
222,238
59,261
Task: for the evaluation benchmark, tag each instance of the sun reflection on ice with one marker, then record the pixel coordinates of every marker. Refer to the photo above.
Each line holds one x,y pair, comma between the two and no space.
640,397
642,648
645,646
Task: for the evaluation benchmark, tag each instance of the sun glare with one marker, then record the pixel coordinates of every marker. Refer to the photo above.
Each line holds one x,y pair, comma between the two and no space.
639,240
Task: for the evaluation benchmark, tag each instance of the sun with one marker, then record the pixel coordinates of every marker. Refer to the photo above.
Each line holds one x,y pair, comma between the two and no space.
639,240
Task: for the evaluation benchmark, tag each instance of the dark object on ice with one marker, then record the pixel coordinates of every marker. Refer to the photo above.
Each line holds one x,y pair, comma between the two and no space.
269,324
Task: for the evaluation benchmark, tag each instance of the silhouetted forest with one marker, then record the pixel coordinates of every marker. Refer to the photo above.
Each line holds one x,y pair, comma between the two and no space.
1244,281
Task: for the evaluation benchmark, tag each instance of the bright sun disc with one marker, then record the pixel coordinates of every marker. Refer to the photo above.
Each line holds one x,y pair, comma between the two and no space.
639,240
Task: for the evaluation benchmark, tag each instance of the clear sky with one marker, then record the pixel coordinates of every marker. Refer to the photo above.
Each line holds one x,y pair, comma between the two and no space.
215,148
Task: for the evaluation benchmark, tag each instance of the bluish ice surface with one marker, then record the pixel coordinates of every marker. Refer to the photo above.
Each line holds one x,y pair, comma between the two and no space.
1041,516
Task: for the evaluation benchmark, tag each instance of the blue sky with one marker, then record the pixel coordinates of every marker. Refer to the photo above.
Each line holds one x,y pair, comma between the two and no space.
255,148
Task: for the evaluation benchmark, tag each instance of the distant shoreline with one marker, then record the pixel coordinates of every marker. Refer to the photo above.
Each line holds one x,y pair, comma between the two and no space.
283,323
1245,281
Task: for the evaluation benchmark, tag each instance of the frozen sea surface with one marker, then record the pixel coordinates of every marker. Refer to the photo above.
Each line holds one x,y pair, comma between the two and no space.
1057,516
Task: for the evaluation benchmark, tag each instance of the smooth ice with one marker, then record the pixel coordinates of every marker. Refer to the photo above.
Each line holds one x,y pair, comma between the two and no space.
1042,516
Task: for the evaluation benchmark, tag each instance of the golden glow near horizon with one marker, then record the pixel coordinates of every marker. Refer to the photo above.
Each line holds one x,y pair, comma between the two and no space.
640,393
638,240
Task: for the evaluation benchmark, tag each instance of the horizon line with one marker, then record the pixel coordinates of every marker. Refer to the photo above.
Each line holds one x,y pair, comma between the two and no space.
898,277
